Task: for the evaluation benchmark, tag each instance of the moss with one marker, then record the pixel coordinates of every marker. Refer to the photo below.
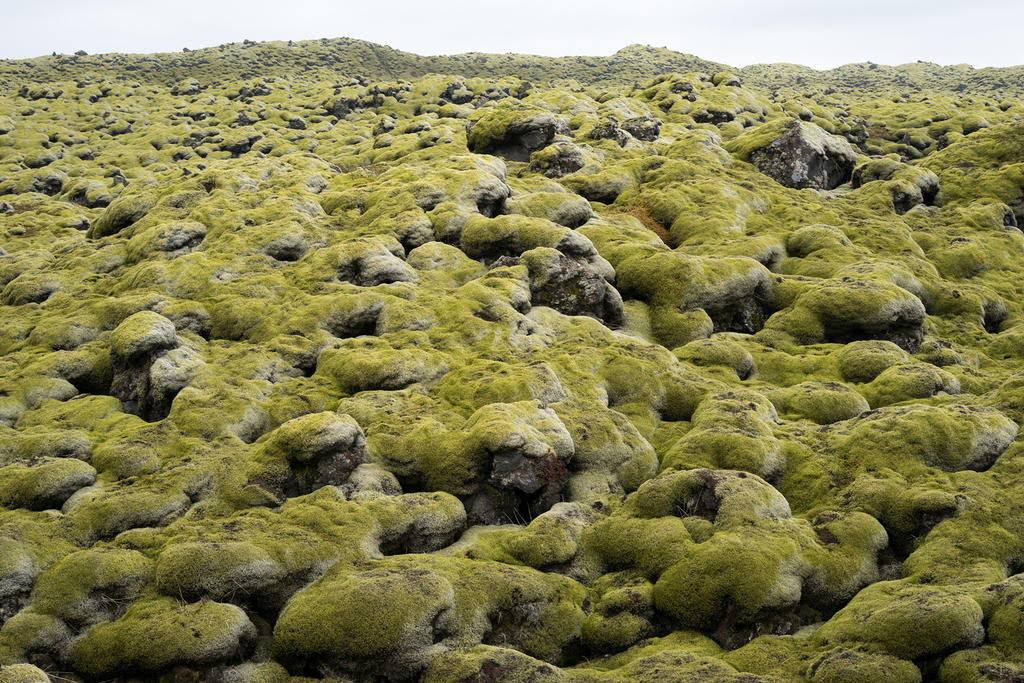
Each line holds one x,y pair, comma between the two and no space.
484,659
952,437
907,621
845,664
649,545
94,513
489,238
142,333
552,538
820,402
1005,617
736,573
358,369
220,571
478,384
863,361
427,601
158,634
277,254
679,665
848,310
906,381
562,207
24,673
122,213
730,431
984,663
507,131
264,672
87,586
711,352
44,484
622,615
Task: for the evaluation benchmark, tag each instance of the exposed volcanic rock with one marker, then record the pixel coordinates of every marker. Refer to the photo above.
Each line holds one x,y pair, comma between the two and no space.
801,156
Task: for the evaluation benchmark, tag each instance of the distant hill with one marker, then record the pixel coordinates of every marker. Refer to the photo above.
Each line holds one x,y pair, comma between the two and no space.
343,58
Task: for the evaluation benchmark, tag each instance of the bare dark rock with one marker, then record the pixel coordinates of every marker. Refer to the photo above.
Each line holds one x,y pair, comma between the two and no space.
805,156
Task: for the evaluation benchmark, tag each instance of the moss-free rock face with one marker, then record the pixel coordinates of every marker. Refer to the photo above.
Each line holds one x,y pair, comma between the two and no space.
437,373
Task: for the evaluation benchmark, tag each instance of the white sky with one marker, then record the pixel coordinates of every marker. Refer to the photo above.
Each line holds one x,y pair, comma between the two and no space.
822,34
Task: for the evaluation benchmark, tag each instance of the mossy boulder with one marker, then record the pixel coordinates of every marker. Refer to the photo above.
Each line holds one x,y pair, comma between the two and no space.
45,484
23,673
797,154
142,334
123,212
842,665
158,634
512,134
219,571
863,361
849,310
907,621
820,402
954,437
431,605
305,453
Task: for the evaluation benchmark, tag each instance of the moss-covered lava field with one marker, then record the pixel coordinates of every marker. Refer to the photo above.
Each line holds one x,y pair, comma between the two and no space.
323,361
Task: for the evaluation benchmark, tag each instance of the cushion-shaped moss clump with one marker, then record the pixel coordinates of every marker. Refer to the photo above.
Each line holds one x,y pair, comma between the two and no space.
393,618
906,381
374,365
143,333
512,133
731,430
846,310
863,361
980,664
158,634
485,660
849,665
311,451
718,352
381,614
89,586
737,572
1005,611
44,484
727,499
553,537
122,212
820,402
735,293
907,621
511,235
23,673
951,437
218,571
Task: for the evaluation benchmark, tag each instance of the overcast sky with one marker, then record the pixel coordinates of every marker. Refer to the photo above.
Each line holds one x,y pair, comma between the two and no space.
821,34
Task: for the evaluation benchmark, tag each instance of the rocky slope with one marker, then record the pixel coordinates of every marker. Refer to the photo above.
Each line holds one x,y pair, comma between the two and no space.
318,365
